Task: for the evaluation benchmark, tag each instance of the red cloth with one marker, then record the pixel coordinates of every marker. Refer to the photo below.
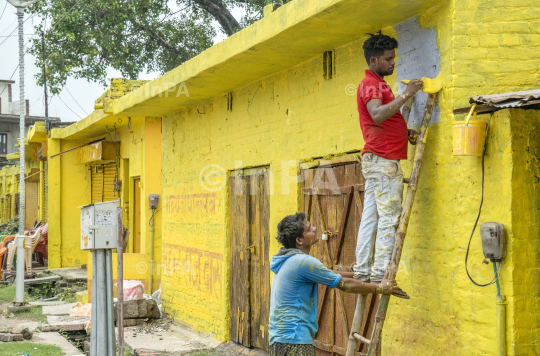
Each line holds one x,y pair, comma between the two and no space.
42,245
389,139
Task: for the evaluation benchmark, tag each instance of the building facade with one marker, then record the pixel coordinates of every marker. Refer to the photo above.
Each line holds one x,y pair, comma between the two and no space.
265,124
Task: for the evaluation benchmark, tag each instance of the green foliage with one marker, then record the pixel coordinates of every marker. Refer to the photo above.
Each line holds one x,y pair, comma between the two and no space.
34,349
7,293
85,37
41,291
10,227
70,294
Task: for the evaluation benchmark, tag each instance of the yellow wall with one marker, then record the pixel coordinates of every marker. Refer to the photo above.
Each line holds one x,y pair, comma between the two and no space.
9,184
297,115
69,186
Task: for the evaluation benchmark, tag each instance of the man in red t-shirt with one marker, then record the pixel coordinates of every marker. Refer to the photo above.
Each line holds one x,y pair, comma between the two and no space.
386,135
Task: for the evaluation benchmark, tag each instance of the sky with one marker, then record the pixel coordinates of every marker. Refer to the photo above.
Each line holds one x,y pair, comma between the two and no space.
76,100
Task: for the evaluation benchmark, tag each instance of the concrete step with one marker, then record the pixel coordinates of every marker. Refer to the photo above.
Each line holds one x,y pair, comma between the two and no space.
42,280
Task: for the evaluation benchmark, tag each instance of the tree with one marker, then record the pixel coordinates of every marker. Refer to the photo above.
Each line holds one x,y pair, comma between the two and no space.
85,37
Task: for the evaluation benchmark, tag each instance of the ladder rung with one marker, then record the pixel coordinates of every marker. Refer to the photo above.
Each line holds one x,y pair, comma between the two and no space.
360,338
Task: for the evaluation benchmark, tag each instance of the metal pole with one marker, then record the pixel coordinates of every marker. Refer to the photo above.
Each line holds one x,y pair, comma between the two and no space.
93,322
101,304
110,314
120,282
22,124
19,288
45,83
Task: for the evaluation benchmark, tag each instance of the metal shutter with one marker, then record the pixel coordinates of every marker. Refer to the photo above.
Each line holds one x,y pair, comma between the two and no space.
45,188
109,173
97,183
103,183
31,202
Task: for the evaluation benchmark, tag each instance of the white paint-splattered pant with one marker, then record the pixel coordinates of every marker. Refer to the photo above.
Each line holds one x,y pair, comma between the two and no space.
383,195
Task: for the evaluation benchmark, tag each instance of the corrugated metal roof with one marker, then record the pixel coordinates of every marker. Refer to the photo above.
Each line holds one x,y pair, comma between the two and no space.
509,100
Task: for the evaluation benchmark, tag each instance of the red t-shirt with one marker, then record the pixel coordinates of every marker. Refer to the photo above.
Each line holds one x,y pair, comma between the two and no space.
389,139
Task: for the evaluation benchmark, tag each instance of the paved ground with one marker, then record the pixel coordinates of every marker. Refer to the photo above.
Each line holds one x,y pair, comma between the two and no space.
62,309
176,340
54,338
71,274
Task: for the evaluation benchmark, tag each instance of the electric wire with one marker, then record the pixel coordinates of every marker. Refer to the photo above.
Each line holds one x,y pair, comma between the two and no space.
59,97
3,11
15,29
75,100
496,277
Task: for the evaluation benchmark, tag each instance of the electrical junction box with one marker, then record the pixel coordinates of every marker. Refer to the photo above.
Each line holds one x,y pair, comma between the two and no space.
493,243
99,226
153,200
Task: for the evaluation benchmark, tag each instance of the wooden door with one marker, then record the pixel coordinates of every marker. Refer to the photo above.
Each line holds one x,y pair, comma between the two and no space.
336,211
250,264
136,215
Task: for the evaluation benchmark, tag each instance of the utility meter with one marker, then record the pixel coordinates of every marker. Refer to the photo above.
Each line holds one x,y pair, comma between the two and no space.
493,244
99,226
153,200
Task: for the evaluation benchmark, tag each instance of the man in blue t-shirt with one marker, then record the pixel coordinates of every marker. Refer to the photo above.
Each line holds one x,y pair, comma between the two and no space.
293,300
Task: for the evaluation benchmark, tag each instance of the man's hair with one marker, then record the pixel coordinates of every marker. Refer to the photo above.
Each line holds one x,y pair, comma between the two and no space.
377,44
291,227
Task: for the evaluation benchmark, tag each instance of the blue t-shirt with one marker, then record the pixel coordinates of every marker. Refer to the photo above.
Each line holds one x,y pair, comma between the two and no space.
293,300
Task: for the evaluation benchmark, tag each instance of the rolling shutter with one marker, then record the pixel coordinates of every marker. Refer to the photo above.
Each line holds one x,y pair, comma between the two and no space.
45,188
31,204
103,183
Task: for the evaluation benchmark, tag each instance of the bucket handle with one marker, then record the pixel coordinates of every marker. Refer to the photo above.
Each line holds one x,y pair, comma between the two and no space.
470,113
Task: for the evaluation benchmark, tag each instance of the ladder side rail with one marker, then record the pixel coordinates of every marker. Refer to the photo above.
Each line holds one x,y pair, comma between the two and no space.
403,223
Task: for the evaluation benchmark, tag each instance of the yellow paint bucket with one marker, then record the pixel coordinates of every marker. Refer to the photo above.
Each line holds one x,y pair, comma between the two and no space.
469,136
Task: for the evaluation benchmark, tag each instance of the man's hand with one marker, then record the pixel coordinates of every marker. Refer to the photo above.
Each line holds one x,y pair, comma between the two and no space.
390,287
413,137
351,285
414,86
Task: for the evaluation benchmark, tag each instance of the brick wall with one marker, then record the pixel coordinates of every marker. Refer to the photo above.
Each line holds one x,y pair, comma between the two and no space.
298,115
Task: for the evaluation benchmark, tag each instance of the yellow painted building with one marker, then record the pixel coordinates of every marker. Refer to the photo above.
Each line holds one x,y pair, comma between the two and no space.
35,203
279,96
102,158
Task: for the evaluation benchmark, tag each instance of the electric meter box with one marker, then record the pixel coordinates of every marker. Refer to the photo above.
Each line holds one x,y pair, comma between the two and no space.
99,226
153,200
493,243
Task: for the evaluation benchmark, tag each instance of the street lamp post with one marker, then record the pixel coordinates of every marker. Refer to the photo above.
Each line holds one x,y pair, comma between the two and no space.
20,5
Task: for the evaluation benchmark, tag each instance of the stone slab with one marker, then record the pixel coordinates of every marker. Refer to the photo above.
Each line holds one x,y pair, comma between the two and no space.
67,323
71,274
18,309
6,337
54,338
139,308
50,303
62,309
42,280
178,339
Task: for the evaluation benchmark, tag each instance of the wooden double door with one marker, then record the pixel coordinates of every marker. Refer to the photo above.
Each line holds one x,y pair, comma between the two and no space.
250,264
333,198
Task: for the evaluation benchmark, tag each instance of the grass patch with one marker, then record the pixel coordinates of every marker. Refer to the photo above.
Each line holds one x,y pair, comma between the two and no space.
21,348
35,314
7,293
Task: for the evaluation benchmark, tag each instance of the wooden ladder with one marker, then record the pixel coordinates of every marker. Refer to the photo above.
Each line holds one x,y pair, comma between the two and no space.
355,335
